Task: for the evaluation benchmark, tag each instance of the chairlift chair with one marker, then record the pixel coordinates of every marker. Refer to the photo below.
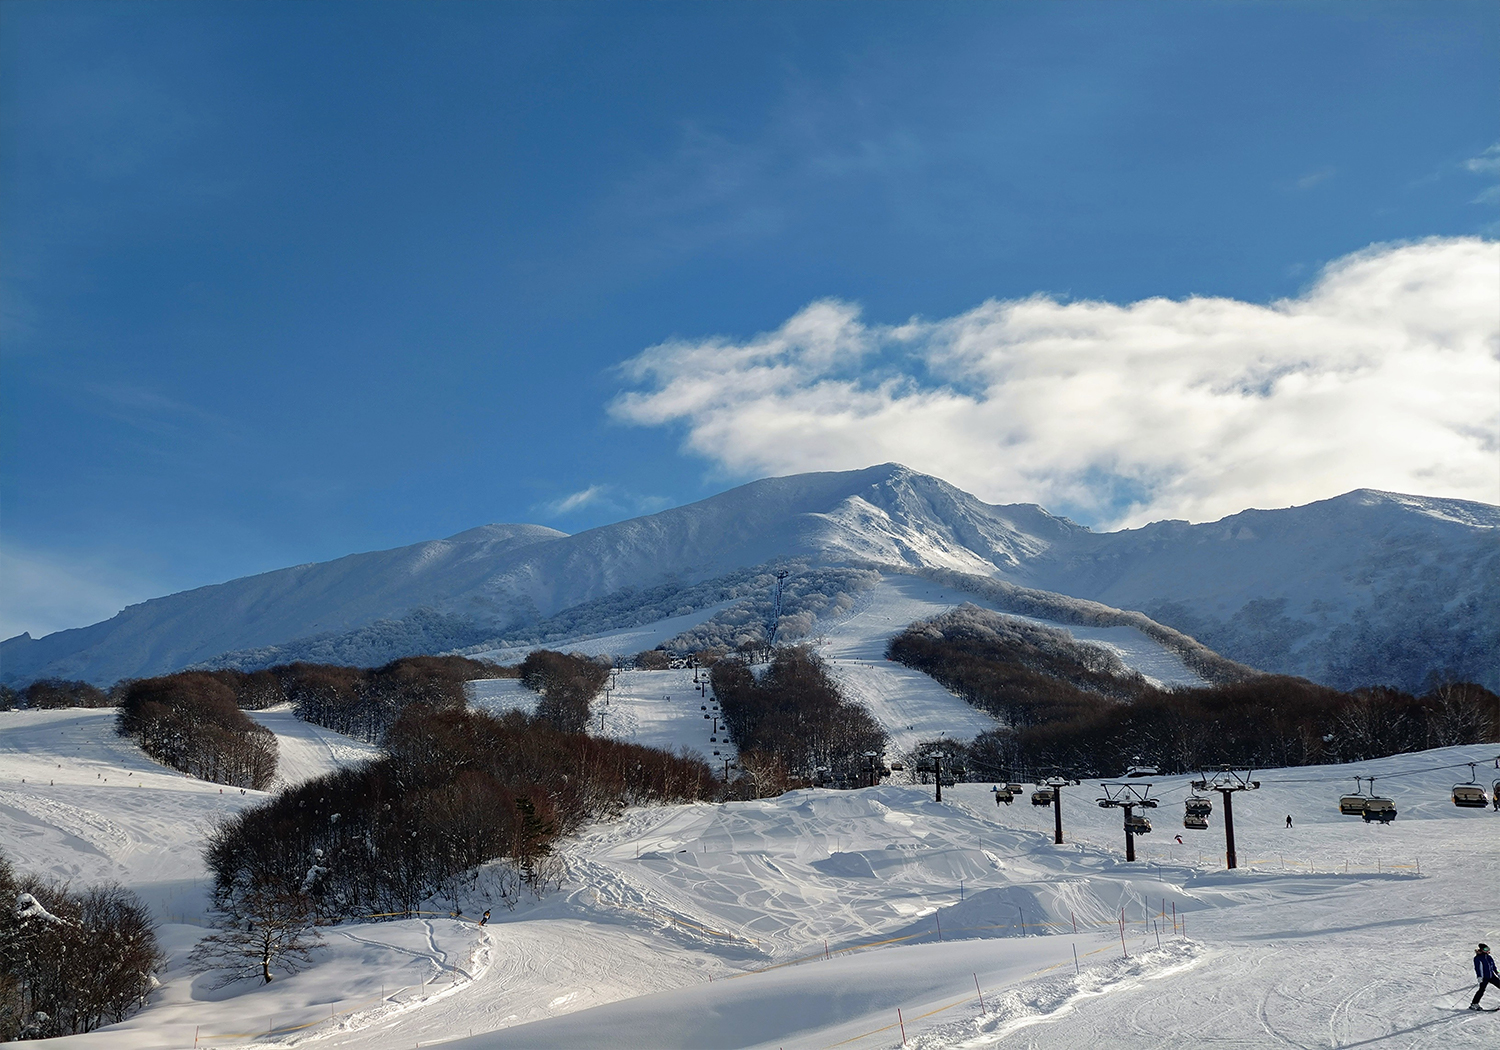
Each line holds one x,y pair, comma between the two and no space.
1381,809
1353,805
1198,806
1018,789
1138,823
1003,794
1141,771
1042,797
1195,823
1470,796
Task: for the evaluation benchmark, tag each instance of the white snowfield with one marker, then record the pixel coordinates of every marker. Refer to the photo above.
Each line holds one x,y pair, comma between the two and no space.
810,920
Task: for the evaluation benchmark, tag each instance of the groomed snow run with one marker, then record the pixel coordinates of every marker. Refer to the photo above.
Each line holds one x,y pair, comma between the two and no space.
809,920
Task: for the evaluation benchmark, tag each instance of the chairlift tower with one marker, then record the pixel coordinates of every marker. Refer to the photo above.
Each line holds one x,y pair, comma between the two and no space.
935,767
1057,784
781,575
1226,782
1127,797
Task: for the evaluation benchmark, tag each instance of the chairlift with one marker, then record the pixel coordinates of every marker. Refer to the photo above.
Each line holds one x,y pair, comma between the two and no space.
1142,771
1378,808
1042,796
1470,795
1353,805
1198,806
1138,823
1195,823
1003,794
1020,789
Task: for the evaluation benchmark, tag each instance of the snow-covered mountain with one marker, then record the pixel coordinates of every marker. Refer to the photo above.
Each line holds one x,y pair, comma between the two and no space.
1366,587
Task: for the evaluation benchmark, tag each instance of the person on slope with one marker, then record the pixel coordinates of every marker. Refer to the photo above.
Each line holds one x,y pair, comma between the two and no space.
1484,968
1288,820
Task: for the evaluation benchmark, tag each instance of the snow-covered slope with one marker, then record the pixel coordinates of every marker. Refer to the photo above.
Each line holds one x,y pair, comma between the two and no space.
1366,587
809,920
1369,587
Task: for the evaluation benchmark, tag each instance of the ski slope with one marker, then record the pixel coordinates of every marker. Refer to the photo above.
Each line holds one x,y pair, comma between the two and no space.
665,709
809,920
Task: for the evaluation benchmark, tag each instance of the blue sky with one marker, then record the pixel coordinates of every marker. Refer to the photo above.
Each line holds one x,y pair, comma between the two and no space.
282,282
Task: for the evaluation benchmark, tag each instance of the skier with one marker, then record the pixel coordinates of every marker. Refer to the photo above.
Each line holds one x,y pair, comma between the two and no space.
1179,840
1288,820
1484,967
486,917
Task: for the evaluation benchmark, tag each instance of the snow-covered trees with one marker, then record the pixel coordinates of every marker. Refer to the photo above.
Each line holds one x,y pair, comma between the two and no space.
70,962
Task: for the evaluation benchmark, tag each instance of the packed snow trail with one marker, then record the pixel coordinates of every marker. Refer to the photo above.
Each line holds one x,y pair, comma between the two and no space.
808,920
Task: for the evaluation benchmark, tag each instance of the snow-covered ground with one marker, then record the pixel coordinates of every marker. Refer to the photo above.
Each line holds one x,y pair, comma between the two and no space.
665,708
810,920
305,750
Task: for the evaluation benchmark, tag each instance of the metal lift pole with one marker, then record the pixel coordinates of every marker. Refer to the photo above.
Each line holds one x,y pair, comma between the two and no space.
1228,796
1129,808
1057,814
937,775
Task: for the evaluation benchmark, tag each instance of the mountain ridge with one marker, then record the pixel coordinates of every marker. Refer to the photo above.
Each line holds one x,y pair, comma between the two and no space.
1316,590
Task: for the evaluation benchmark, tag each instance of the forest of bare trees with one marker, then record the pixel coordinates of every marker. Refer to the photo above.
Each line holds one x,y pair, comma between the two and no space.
792,724
192,722
455,789
1067,707
567,684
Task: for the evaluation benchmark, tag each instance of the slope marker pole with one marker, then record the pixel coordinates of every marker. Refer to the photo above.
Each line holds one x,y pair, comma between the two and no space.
981,993
1123,949
902,1022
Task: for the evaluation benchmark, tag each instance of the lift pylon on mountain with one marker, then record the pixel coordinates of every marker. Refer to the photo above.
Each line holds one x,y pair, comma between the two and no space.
1227,782
1128,797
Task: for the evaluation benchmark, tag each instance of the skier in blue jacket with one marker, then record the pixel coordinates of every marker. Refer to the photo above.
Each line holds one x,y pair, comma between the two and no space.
1484,968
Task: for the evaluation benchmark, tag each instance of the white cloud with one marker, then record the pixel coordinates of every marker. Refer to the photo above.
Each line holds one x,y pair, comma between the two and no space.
1382,374
581,498
1487,163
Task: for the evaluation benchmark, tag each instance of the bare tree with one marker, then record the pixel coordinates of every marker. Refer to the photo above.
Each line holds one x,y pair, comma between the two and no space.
259,927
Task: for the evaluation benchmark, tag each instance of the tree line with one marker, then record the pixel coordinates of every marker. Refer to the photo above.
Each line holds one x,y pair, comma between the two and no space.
192,722
792,725
1061,709
455,789
70,962
48,693
567,684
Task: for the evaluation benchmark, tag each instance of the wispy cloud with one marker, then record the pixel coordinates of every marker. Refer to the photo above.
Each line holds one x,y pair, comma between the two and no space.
1313,178
603,498
44,591
577,500
1382,374
1487,163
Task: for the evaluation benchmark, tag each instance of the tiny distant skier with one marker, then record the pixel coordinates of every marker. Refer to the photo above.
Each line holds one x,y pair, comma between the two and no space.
1288,820
1179,840
486,917
1484,968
